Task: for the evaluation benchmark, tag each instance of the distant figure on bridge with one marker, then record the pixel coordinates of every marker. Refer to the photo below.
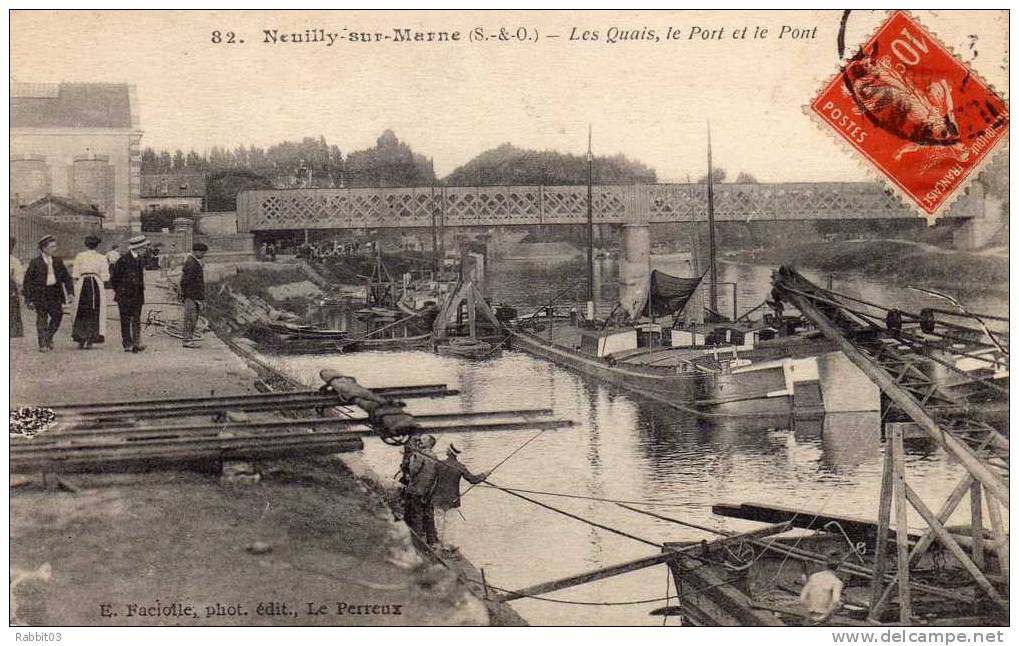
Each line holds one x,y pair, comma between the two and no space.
823,591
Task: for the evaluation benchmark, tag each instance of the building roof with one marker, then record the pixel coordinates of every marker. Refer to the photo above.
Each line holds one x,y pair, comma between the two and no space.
71,105
173,185
66,203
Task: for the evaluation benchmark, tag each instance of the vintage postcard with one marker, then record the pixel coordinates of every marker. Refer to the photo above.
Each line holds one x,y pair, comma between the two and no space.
510,318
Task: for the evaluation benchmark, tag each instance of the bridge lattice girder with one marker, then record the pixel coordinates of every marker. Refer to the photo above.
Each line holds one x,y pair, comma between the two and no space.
354,208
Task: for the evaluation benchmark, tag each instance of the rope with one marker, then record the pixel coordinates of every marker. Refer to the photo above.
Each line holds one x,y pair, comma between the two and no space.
549,507
594,498
634,602
668,580
580,518
503,461
965,312
496,347
751,311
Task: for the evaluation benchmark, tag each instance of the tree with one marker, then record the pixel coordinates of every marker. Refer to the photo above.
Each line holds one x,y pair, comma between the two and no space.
221,188
150,162
390,163
165,164
510,165
178,161
745,178
717,176
195,162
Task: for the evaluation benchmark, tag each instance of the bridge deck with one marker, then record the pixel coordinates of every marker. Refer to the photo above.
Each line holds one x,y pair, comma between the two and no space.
338,208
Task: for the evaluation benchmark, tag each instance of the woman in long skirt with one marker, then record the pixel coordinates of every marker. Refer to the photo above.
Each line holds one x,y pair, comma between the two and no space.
17,275
91,270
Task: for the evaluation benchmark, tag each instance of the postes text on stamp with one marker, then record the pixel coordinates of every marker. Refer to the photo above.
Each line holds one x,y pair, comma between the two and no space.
915,112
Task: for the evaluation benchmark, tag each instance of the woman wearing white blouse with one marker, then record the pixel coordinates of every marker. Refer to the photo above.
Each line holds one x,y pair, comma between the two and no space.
17,276
91,270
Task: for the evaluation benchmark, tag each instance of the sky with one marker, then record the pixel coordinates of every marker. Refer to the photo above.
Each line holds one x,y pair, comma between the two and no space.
648,100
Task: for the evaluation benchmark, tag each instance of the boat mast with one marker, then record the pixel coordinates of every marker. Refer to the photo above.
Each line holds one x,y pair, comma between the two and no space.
590,225
711,230
435,239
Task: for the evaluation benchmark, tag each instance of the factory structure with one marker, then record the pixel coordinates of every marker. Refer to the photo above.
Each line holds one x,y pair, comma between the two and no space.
77,143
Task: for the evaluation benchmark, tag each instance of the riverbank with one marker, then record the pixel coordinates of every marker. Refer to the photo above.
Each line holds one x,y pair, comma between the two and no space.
893,261
117,546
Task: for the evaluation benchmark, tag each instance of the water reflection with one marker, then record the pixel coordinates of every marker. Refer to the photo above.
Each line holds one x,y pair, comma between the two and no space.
626,448
530,284
622,448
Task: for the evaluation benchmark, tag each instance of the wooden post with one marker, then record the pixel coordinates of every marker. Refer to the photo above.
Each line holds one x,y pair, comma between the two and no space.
1000,537
638,564
883,516
925,541
901,525
977,524
484,583
442,227
471,314
994,485
953,547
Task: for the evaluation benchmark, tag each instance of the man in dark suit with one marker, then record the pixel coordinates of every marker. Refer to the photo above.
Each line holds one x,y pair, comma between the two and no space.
192,291
48,285
128,280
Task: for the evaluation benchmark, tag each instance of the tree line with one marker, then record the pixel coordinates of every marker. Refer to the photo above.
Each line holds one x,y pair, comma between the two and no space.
309,162
313,162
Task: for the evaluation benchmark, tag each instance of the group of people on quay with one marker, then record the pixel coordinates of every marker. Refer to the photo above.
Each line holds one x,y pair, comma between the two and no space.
431,488
47,286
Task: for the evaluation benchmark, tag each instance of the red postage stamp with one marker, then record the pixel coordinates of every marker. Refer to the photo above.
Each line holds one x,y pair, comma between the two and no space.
915,112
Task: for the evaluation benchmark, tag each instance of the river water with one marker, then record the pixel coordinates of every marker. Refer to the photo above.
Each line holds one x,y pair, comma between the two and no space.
623,447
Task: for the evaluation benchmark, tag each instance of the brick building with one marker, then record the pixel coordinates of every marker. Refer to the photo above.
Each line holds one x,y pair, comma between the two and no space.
67,211
79,141
173,191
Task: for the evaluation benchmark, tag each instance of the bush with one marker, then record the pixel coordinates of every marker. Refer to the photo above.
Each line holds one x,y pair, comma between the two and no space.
155,220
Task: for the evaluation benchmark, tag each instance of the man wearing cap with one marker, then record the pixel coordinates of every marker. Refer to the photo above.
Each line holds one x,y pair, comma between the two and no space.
128,280
446,495
421,472
192,291
47,286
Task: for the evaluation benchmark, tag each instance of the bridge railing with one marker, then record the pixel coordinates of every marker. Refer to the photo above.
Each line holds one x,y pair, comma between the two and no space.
354,208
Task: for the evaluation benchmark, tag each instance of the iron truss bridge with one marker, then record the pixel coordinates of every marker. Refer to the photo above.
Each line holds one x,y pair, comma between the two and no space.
356,208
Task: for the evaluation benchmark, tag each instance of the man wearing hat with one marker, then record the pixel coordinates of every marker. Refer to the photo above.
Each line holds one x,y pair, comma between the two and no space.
421,473
192,291
446,495
47,286
128,280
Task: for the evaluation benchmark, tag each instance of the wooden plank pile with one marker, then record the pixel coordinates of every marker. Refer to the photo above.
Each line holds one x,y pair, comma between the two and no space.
133,435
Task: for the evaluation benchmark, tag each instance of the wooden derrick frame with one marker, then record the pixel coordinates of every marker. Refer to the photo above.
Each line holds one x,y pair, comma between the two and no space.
892,362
